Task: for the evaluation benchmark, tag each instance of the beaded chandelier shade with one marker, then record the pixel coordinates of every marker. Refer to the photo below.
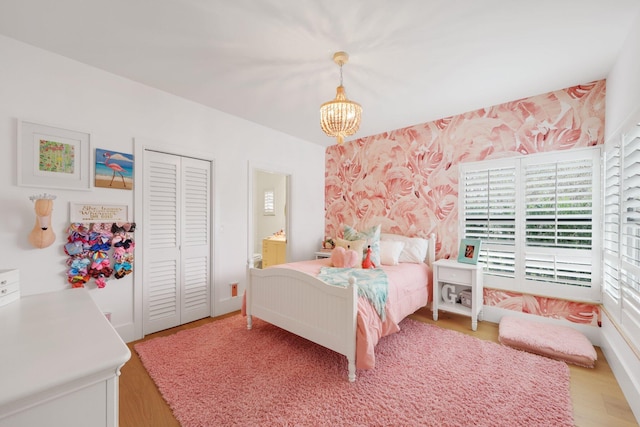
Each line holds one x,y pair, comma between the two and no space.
340,117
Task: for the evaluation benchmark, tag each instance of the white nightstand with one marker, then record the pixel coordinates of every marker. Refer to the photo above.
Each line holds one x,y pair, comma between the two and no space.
323,253
450,278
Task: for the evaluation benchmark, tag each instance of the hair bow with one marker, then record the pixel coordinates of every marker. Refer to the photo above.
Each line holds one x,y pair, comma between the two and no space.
124,243
100,247
118,253
100,261
119,227
78,281
79,263
122,269
102,271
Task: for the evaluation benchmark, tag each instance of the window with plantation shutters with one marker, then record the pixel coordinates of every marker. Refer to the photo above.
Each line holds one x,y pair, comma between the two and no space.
490,215
538,219
558,204
611,232
269,206
622,233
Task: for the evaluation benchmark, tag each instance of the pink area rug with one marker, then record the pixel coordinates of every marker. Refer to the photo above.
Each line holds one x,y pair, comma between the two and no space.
221,374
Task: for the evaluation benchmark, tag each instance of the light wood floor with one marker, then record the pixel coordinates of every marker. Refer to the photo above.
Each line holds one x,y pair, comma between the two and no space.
597,398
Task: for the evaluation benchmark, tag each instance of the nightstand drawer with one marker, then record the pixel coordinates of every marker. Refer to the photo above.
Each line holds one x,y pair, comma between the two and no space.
323,253
454,275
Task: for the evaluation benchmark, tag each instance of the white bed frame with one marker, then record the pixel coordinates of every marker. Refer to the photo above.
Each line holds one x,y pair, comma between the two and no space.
306,306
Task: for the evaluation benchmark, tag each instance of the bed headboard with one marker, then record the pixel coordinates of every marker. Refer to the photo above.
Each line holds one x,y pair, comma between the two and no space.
431,253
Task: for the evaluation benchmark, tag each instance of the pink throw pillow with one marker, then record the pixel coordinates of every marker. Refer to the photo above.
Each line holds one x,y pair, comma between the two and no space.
344,258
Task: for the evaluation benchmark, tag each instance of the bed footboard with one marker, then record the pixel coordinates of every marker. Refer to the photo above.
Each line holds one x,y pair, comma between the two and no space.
306,306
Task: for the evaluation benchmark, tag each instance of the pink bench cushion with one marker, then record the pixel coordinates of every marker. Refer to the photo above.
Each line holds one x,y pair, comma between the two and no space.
554,341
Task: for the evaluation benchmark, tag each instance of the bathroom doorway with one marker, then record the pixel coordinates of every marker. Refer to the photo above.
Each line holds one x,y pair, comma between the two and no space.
269,217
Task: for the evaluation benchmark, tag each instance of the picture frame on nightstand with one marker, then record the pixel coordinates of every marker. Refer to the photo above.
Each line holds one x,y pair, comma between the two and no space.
469,251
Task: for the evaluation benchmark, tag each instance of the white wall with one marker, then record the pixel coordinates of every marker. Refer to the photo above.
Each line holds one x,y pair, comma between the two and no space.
623,84
623,110
46,88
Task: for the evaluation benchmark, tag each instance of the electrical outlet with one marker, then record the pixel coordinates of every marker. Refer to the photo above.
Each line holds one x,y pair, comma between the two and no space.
234,289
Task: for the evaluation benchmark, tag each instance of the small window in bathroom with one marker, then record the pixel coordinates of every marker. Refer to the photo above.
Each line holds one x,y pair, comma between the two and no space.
269,203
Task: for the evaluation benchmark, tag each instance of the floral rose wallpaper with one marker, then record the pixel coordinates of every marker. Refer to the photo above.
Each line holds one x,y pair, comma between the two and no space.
407,179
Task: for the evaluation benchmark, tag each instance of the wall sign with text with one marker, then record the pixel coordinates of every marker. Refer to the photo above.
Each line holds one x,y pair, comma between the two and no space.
87,212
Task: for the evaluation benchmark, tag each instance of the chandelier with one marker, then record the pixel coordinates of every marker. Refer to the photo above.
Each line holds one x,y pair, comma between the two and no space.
340,117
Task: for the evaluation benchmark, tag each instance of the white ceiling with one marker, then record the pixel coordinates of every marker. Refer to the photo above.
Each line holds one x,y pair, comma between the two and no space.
269,61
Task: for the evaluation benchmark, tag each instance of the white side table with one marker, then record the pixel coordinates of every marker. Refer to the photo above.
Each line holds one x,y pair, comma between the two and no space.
450,279
323,253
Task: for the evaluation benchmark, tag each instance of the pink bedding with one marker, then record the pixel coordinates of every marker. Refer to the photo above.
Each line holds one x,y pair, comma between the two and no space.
408,291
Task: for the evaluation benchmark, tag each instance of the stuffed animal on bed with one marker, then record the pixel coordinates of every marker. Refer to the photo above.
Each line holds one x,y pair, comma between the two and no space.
366,262
344,258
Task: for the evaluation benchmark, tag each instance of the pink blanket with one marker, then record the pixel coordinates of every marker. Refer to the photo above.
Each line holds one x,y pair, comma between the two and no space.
408,291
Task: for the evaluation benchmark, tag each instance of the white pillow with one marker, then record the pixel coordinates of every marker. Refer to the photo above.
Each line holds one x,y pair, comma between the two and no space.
415,248
390,251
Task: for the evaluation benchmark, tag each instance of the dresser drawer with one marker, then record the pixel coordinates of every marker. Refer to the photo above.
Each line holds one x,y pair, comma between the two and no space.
8,276
9,286
454,275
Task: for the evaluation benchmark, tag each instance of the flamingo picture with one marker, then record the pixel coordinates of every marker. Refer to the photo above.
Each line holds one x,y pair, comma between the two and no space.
116,168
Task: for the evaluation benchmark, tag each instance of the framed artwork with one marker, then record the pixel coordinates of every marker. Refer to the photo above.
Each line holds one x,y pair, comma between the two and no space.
114,169
52,157
469,251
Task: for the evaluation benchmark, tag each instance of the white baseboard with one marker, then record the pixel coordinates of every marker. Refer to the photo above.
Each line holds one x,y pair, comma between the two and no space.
623,362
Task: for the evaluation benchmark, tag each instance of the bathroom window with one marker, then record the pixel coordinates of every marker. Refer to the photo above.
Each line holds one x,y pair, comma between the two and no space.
269,207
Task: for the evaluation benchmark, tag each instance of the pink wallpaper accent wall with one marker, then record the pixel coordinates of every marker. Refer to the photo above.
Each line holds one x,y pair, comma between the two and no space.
407,179
576,312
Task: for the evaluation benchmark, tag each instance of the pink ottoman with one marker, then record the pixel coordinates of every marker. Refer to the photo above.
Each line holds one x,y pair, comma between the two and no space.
554,341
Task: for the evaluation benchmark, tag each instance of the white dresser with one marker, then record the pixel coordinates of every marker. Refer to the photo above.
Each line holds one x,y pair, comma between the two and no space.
60,359
9,286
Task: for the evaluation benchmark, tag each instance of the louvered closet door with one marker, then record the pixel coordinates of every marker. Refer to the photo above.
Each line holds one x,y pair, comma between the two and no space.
176,277
196,240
